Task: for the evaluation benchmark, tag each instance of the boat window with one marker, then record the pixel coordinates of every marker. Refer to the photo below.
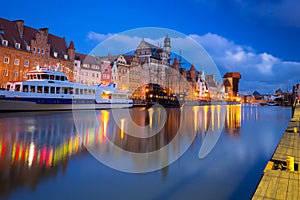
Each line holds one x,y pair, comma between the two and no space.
51,77
58,90
34,76
71,90
17,88
7,87
52,90
106,95
32,88
40,89
63,78
39,76
45,76
25,88
93,91
76,90
65,90
85,91
57,78
46,89
81,91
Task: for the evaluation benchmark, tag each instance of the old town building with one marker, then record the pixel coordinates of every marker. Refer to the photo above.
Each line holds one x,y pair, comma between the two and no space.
23,48
88,70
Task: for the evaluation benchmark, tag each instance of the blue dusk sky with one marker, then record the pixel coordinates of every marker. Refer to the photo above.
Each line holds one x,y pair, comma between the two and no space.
258,38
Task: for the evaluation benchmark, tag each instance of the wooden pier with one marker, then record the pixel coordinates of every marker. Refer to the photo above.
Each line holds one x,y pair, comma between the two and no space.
281,176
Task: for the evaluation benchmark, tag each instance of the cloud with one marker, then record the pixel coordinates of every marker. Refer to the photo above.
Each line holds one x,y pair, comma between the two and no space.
99,37
260,71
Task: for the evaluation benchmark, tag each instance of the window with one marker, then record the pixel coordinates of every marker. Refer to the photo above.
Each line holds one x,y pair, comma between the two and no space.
16,73
18,45
25,74
32,88
46,89
58,90
25,88
55,54
18,88
34,50
52,90
26,63
66,57
38,50
17,61
6,60
43,51
39,89
5,43
27,48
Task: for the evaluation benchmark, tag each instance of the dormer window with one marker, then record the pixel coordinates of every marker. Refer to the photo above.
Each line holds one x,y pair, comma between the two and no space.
66,57
43,51
27,48
5,43
18,45
55,54
34,50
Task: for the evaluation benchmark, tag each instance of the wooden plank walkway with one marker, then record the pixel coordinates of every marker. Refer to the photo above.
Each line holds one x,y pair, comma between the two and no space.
278,182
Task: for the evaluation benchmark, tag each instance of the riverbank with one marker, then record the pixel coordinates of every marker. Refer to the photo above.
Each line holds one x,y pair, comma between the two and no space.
281,175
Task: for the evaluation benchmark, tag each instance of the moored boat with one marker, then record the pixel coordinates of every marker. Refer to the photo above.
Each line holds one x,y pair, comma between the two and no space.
51,90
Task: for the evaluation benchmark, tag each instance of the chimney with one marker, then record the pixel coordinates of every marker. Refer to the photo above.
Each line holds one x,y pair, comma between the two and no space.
20,26
44,30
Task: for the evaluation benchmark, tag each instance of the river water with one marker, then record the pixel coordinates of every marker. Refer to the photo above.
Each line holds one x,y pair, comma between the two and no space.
204,152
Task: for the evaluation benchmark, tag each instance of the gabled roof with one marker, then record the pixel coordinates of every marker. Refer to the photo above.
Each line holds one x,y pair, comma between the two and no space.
84,58
10,31
146,45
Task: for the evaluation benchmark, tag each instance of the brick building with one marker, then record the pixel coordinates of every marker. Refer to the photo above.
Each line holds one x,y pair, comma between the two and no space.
23,48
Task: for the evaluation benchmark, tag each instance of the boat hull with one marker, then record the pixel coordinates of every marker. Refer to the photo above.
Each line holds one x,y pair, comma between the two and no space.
20,105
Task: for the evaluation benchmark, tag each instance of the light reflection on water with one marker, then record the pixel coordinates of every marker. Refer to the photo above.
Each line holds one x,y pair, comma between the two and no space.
43,154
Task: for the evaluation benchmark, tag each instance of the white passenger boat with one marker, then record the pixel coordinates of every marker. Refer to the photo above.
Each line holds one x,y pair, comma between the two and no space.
51,90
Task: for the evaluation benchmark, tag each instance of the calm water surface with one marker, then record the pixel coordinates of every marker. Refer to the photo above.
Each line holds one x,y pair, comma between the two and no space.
55,155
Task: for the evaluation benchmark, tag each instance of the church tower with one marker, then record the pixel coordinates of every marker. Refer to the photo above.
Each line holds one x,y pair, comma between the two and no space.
167,49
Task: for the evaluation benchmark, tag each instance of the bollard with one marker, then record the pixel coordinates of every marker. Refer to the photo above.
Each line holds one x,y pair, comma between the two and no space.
290,163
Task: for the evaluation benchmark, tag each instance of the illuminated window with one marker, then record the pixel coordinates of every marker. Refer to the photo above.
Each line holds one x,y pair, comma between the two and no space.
26,62
5,43
15,73
6,60
17,61
55,54
18,45
4,72
28,48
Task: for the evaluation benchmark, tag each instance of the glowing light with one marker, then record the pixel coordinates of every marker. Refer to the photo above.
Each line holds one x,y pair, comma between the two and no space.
31,154
212,117
105,117
195,109
205,108
122,122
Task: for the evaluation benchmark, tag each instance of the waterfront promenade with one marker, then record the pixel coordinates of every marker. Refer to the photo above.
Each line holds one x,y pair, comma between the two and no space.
280,180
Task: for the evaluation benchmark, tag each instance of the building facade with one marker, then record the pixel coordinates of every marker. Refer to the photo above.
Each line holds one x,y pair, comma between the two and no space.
88,70
24,48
